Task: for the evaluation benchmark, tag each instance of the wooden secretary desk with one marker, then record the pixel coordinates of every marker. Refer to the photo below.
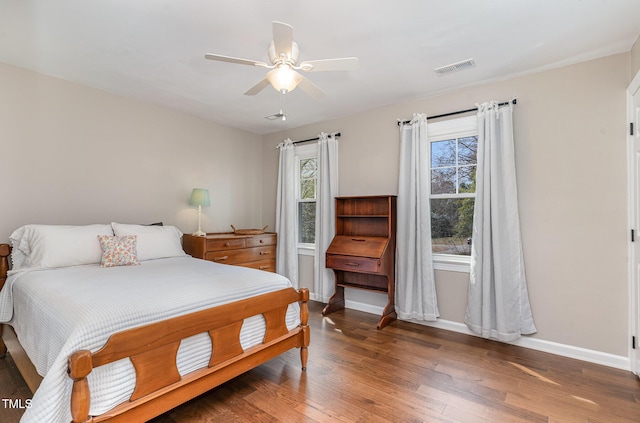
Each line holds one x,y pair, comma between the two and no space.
363,252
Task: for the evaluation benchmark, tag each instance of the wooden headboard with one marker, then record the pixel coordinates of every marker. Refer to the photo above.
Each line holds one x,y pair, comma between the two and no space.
5,250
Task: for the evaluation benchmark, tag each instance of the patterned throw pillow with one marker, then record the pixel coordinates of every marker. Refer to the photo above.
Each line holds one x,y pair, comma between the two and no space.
118,250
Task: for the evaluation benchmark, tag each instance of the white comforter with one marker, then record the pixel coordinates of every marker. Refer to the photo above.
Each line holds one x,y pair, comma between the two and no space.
58,311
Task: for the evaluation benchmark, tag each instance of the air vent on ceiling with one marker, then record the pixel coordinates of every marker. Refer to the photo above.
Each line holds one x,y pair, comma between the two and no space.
455,67
280,115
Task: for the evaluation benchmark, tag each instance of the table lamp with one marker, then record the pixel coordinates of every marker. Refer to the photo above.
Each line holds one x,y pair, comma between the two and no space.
199,197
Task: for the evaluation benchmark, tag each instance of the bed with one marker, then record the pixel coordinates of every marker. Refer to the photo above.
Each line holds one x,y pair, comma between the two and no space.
129,342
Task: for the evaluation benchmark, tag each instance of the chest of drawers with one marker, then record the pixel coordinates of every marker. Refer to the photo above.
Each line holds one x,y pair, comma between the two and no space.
255,251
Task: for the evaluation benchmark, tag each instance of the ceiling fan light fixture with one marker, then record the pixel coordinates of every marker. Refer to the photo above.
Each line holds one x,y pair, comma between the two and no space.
283,78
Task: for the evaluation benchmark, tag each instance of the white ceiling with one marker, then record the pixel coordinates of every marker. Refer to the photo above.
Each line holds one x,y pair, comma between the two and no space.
153,50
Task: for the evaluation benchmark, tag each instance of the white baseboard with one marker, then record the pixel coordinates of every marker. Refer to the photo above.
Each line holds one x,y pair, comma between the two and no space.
316,297
367,308
578,353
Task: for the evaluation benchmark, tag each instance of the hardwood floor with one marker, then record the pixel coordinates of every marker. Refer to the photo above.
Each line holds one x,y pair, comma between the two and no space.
402,373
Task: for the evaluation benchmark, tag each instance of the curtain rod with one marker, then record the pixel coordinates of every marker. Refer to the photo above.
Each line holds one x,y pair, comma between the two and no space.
459,112
335,134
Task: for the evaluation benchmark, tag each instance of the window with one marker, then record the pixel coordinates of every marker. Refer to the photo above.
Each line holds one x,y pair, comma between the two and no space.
307,175
454,146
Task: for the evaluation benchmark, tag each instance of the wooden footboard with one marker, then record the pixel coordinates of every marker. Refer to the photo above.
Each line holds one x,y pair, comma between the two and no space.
153,348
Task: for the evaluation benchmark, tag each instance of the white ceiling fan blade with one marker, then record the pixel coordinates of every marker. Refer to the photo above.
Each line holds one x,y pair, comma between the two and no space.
282,38
310,88
230,59
341,64
258,87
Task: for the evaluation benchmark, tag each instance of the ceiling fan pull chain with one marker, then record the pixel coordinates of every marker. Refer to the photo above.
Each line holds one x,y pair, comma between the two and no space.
282,93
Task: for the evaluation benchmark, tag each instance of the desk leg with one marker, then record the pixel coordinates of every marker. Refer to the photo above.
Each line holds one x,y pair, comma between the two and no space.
388,315
336,302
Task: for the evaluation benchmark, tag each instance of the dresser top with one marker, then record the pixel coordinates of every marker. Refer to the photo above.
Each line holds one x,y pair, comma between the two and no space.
365,197
227,235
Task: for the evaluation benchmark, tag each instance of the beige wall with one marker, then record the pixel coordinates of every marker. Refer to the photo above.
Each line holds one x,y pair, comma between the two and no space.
571,169
76,155
635,58
72,154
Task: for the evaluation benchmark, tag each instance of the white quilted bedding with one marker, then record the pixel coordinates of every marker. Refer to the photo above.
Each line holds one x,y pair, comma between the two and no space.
58,311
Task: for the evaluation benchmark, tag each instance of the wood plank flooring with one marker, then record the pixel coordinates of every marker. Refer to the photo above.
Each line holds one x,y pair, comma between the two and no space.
402,373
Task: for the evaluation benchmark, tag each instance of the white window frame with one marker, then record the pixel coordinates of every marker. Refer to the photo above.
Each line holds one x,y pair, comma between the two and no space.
440,131
304,152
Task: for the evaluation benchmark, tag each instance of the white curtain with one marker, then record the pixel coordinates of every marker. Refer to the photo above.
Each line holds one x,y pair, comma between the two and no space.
415,281
326,191
498,303
287,254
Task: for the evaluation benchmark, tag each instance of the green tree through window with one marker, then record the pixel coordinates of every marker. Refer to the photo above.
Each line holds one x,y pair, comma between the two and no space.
453,187
308,174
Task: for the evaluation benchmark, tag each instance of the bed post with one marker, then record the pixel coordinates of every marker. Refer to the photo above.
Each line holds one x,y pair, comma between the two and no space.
304,320
5,250
80,365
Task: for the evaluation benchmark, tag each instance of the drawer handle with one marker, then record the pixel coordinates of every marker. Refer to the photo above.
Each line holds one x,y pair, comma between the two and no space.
227,244
262,241
350,263
264,267
223,258
263,253
358,239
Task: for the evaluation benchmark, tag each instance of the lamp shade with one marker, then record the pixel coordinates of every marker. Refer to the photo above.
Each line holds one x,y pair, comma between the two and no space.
200,197
283,78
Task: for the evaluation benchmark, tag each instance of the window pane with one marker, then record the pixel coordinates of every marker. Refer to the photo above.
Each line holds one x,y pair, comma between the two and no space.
308,168
451,225
308,175
443,153
443,181
307,221
467,179
467,150
308,189
453,164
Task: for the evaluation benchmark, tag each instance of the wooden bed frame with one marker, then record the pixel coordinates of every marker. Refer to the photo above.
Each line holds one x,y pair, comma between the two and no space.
152,349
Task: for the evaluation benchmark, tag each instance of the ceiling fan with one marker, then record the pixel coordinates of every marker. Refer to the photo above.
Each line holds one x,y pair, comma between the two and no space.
283,55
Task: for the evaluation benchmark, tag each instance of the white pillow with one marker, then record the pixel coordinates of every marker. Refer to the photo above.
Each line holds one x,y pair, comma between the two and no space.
153,241
37,246
20,247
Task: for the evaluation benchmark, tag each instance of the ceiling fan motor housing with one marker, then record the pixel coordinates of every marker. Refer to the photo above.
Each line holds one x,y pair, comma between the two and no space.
292,56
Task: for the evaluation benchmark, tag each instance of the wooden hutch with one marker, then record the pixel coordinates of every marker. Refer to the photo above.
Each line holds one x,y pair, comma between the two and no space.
362,254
